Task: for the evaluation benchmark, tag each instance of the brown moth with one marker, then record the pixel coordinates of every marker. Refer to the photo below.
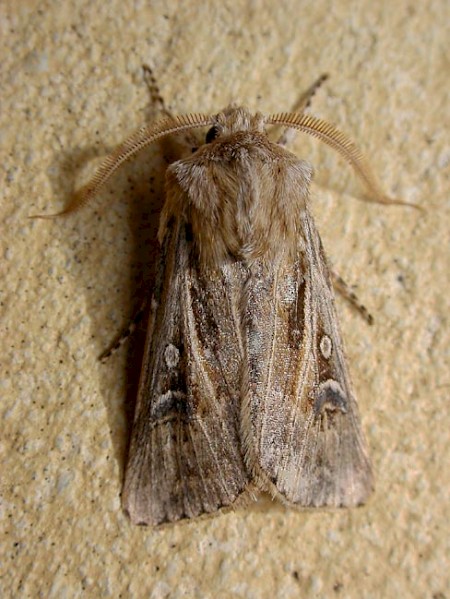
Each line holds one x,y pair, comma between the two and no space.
244,385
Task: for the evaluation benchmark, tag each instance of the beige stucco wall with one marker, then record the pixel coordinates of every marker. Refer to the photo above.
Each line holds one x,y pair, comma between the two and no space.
72,88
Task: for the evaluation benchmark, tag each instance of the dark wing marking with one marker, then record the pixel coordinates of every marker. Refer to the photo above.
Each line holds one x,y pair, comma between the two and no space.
301,428
185,458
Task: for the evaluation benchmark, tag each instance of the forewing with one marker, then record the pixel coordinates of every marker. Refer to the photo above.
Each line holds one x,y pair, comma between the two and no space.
301,427
185,454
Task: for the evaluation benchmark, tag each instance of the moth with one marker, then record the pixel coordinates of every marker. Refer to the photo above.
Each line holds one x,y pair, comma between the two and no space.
244,385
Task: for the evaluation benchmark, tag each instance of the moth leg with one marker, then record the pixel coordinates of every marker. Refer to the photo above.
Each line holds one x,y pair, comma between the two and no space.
188,139
154,91
341,286
124,334
302,104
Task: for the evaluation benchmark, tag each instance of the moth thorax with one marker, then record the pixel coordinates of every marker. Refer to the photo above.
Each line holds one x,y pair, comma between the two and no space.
244,201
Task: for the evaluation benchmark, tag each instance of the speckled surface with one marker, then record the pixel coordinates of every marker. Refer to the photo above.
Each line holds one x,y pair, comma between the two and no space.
72,88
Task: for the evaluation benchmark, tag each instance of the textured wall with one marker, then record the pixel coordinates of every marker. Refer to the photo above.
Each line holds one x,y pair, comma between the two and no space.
72,88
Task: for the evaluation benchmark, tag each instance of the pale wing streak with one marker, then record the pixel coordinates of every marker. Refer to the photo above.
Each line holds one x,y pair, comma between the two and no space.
196,350
208,385
302,375
309,335
315,278
237,327
301,379
269,374
236,317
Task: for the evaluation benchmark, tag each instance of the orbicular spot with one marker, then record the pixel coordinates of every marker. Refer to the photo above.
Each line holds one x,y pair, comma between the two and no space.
330,396
171,356
326,346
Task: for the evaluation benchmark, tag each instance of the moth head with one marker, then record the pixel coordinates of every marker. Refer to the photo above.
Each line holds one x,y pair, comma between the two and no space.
234,119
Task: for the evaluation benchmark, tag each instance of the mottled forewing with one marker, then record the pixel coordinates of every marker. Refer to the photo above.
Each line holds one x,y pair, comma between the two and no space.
185,458
302,431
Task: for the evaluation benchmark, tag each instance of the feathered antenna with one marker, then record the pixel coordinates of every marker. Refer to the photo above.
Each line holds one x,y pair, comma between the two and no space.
342,144
141,138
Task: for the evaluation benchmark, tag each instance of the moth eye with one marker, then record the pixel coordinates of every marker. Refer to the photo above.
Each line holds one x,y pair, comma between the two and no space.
212,134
